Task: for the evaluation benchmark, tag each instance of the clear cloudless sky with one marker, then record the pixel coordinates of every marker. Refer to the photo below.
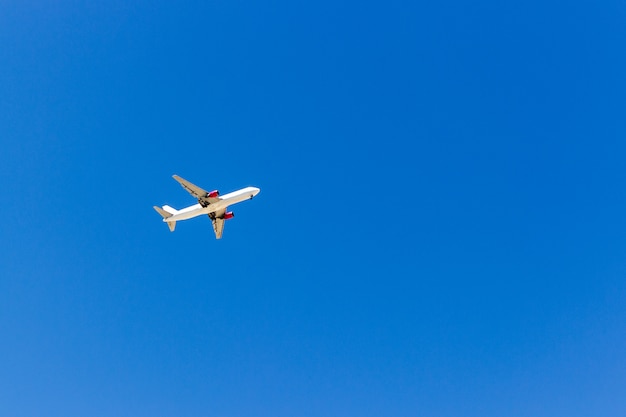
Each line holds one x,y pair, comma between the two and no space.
441,228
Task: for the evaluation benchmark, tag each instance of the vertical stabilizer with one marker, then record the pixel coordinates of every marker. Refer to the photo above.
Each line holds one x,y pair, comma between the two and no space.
170,210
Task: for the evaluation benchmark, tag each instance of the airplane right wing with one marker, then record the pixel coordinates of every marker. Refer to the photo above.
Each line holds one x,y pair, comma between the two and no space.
217,219
218,227
197,192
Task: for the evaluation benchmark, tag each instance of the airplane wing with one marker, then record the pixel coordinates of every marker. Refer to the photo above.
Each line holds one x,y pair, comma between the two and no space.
197,192
218,222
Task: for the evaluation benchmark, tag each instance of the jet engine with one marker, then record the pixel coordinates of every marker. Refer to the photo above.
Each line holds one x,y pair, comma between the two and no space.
228,215
213,194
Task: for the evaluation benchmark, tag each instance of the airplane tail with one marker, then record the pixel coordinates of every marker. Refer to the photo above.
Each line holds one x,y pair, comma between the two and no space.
166,212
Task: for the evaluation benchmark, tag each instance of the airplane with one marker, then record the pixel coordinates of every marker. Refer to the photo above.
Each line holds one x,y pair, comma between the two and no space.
209,203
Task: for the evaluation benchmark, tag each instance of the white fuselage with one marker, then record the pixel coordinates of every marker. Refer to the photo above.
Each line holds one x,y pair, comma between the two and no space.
225,201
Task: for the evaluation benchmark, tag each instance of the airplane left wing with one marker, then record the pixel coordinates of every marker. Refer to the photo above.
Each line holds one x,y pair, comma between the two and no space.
199,193
217,219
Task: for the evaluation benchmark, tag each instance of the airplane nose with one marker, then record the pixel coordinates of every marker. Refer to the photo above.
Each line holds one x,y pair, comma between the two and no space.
255,190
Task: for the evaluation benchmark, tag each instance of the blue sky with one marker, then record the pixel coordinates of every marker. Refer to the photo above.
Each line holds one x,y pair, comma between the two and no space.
441,228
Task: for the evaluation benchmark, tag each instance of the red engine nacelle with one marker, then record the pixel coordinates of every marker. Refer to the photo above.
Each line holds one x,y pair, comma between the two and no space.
229,215
213,194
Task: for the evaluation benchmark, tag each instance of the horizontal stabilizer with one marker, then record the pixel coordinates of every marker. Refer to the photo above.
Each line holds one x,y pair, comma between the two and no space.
166,212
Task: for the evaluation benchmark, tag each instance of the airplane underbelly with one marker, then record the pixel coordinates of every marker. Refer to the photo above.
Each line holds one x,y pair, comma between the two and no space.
184,215
212,208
